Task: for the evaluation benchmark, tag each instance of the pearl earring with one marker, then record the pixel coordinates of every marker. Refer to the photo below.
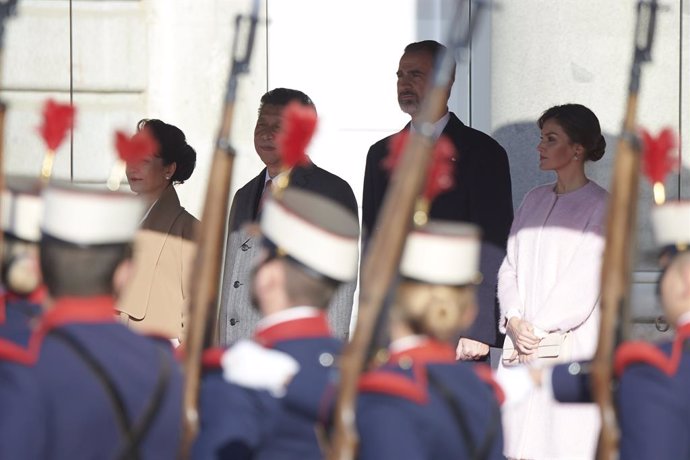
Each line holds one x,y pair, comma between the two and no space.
576,157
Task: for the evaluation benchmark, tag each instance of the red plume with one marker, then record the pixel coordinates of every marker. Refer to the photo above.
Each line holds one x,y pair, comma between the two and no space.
396,145
657,159
57,120
441,178
136,148
298,126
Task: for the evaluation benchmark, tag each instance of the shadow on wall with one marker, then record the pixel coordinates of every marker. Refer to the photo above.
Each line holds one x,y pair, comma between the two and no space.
520,141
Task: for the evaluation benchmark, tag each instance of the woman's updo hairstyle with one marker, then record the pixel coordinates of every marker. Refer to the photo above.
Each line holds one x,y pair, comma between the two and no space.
433,310
581,126
173,148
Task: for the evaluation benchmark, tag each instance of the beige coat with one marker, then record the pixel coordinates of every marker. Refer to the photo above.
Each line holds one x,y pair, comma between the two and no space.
156,297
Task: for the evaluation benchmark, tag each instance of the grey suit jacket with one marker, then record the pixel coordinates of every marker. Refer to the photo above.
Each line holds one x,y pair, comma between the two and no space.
237,317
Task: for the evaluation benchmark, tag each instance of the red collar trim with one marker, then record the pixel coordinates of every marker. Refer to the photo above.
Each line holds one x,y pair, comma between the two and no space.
302,328
427,352
37,296
10,351
390,383
415,358
644,352
683,332
97,309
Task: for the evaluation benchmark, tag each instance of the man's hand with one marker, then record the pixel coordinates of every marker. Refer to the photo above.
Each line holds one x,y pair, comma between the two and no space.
469,349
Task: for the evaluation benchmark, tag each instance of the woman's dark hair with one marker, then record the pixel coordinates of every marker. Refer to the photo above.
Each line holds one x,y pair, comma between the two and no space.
173,148
581,126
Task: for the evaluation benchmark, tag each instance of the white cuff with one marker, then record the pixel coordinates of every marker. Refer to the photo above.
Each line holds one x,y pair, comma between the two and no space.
250,365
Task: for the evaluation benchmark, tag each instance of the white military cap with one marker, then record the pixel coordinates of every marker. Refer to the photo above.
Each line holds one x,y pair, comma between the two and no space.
313,230
443,253
89,217
22,208
671,223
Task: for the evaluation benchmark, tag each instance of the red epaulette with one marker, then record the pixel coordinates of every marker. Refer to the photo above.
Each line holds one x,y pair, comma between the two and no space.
392,384
210,360
484,373
645,353
10,351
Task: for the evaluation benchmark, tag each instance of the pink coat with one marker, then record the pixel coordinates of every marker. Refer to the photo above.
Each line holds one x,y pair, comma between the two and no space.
550,277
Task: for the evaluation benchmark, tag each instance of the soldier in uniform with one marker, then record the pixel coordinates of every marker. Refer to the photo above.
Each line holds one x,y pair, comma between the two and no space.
21,277
421,403
653,398
93,388
263,403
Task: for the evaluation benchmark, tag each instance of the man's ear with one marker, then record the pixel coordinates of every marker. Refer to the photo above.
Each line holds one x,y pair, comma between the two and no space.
269,275
23,274
469,314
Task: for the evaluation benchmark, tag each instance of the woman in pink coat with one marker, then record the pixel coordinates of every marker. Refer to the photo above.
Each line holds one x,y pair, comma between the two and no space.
548,285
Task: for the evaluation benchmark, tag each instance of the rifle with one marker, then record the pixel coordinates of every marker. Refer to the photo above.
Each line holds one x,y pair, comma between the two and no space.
617,265
7,9
383,256
210,239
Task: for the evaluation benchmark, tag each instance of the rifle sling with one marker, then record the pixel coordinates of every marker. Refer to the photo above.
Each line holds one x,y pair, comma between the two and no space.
475,452
132,435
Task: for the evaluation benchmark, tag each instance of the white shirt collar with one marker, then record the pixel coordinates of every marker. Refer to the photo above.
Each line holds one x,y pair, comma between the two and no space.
289,314
407,343
281,174
439,126
148,211
683,319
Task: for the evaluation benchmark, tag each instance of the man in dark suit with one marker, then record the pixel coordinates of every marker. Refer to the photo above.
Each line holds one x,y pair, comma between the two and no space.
237,317
481,195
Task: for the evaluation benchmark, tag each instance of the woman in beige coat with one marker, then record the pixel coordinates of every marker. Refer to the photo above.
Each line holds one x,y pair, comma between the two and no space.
156,297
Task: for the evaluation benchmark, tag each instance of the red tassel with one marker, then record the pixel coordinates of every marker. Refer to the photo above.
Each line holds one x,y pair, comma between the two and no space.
136,148
298,127
57,120
657,159
396,145
441,172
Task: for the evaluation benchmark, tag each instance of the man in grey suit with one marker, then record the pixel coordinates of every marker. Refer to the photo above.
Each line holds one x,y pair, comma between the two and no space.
237,316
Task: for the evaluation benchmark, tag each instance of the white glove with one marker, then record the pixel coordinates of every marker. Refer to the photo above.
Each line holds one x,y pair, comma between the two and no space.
250,365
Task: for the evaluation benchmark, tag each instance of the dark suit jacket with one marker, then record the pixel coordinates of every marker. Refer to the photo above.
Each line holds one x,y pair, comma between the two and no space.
481,195
237,317
310,177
